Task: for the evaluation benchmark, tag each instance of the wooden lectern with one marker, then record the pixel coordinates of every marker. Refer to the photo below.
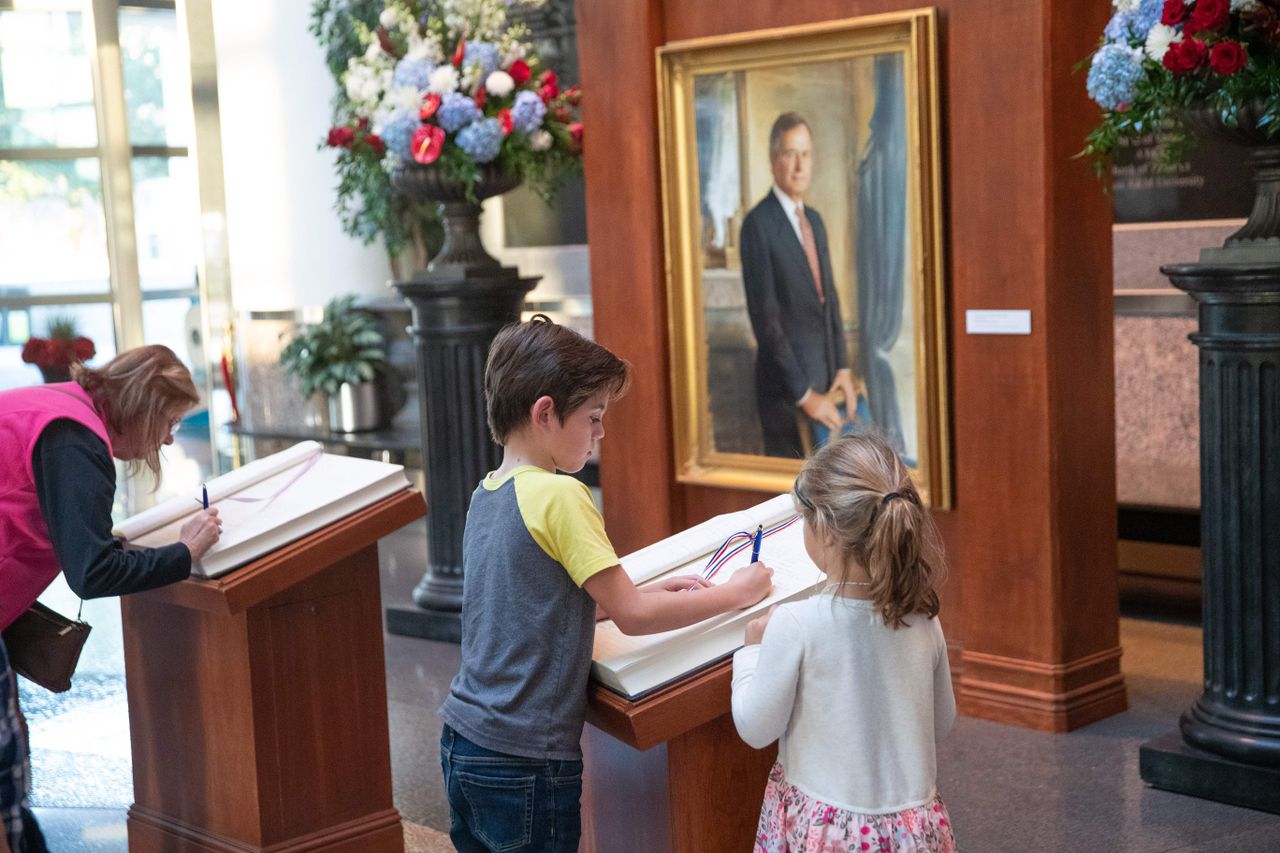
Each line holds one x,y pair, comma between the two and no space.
669,772
258,700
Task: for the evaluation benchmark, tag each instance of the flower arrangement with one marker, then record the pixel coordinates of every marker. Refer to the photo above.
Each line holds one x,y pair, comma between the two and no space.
63,348
1158,58
453,83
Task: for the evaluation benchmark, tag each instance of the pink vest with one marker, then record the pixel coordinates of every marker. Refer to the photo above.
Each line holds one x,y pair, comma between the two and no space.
27,561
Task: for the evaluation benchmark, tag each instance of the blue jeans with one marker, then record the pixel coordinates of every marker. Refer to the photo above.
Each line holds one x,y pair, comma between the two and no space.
500,803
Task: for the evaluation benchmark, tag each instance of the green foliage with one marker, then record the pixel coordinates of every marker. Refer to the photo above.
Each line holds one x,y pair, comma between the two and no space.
62,327
345,346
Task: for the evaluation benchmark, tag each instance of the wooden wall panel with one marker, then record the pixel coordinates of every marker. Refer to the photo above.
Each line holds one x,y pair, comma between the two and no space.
1031,541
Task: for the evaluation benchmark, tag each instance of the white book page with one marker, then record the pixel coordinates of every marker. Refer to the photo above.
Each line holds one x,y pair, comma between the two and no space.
252,513
793,574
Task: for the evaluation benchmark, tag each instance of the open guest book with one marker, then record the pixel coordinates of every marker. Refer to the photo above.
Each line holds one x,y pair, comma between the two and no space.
269,503
634,666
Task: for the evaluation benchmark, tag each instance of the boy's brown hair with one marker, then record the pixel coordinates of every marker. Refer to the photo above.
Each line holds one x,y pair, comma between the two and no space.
538,358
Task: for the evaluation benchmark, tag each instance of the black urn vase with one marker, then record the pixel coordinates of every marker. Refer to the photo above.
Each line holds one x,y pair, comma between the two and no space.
459,303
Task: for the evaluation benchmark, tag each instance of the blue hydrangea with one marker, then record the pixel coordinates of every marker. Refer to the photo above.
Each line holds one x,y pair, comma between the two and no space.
1114,75
482,139
481,53
1132,27
527,112
457,110
412,73
398,130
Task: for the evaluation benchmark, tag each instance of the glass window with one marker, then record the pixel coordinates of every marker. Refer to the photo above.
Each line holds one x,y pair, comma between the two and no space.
53,232
46,85
174,323
157,83
167,222
93,321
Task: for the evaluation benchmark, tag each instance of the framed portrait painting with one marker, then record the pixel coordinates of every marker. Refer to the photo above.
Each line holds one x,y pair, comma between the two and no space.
801,185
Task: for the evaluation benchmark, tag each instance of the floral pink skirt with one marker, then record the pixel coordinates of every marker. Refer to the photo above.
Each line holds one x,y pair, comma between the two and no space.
791,821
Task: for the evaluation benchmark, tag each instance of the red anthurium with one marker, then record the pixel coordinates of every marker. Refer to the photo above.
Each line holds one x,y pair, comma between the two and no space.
427,142
459,52
430,104
340,137
519,72
504,118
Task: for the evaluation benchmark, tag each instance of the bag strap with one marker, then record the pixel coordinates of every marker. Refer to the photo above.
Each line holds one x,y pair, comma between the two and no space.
89,406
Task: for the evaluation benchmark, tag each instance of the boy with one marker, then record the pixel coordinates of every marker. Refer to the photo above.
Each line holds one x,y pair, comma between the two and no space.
537,562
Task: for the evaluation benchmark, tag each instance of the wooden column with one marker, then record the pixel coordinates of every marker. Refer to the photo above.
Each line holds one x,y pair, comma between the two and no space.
1032,540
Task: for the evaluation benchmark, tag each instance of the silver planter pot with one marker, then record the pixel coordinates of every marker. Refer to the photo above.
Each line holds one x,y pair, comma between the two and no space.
356,408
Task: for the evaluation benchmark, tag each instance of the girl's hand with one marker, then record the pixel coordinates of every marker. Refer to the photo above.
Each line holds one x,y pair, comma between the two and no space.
680,583
201,532
755,628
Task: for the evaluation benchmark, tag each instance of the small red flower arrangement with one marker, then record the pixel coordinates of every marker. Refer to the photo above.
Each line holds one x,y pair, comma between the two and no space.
55,355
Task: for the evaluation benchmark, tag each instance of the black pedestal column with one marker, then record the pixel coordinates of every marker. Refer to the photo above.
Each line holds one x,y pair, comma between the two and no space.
459,304
1229,745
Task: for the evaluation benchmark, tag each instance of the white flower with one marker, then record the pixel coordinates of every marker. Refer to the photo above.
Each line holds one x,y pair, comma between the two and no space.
1159,39
374,52
421,48
1243,5
388,18
540,140
499,84
363,83
1125,5
404,97
443,80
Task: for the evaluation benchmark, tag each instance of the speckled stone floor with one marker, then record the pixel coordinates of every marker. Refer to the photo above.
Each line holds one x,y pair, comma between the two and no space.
1009,790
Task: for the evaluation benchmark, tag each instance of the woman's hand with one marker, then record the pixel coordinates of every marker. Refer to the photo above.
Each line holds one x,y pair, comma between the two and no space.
200,532
755,628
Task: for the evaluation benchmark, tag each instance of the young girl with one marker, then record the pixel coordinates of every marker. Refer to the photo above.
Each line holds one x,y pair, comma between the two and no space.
853,682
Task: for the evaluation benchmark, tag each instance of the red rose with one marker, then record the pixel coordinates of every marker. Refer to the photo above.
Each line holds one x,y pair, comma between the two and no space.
340,137
430,104
504,118
459,52
427,142
573,94
548,93
83,349
375,142
1174,12
575,136
563,114
1184,56
519,72
549,78
362,124
1228,57
1207,15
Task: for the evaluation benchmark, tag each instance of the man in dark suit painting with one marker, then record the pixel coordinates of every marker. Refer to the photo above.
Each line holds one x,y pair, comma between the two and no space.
791,299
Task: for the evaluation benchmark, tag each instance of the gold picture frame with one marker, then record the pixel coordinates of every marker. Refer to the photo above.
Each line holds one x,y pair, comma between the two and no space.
739,115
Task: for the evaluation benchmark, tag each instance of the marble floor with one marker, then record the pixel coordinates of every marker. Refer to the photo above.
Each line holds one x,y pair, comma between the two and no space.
1009,790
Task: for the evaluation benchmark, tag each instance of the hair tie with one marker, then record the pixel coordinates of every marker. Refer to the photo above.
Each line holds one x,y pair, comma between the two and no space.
890,496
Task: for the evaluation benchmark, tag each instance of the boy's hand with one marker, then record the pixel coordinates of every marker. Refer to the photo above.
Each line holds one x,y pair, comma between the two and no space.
755,628
750,584
680,583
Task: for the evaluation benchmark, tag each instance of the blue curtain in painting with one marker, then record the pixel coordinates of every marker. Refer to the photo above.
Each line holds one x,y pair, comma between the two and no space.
881,245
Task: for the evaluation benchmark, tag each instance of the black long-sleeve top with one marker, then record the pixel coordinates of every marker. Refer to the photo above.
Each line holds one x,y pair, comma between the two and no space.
75,483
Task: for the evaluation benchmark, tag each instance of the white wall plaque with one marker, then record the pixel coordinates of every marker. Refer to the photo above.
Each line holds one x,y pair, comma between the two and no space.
1017,322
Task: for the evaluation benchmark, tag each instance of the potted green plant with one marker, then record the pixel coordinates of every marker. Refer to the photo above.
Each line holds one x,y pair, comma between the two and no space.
341,357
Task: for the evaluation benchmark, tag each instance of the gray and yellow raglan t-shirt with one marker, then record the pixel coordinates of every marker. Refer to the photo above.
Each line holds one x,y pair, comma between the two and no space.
532,539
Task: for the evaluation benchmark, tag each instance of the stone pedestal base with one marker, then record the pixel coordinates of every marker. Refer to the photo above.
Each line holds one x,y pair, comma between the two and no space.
1170,764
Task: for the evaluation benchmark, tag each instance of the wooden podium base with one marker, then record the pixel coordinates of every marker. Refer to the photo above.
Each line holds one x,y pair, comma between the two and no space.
258,702
669,772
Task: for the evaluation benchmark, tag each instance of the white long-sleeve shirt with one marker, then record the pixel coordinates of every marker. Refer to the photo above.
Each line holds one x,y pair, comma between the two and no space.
857,706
